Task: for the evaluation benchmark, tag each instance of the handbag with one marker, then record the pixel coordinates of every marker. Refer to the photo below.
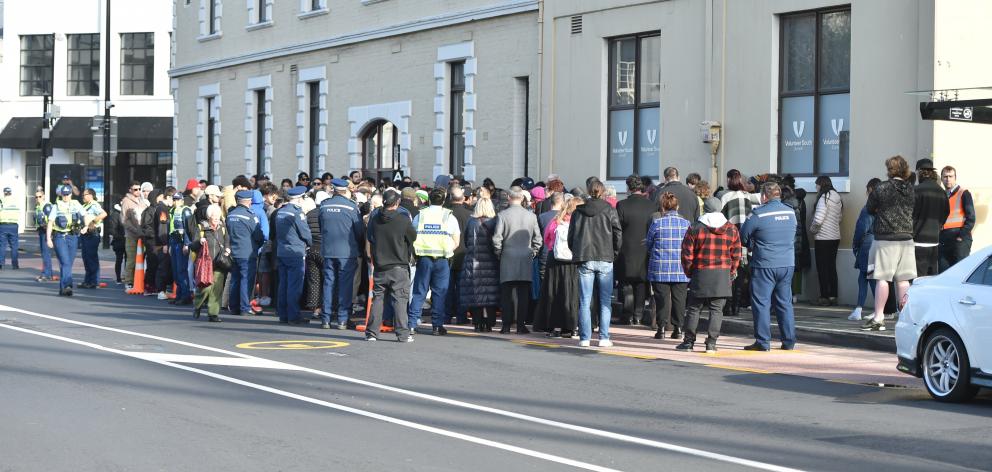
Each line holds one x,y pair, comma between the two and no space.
222,261
203,269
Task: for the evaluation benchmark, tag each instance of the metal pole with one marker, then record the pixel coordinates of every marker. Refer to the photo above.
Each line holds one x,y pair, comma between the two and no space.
107,201
45,124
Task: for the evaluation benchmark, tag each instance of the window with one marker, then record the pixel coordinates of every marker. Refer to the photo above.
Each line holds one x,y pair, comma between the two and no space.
211,123
260,132
314,122
983,274
316,4
634,106
456,159
84,64
212,17
814,93
37,64
262,13
137,63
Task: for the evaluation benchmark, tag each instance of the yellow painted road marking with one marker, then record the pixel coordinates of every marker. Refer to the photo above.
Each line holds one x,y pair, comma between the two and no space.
535,343
293,345
627,354
738,369
462,333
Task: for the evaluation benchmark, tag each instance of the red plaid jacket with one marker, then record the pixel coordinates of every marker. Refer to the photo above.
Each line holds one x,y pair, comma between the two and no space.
705,248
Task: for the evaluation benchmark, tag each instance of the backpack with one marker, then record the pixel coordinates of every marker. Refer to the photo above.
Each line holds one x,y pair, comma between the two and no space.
561,250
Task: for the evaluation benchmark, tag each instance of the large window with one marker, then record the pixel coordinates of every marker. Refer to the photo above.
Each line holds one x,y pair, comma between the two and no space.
138,64
314,122
260,132
37,64
456,159
814,93
84,64
262,13
211,129
634,105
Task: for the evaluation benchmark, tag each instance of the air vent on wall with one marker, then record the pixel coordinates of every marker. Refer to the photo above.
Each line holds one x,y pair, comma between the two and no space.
292,69
576,24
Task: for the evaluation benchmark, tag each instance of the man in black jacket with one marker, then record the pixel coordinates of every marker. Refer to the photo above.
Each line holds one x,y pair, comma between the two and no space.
160,226
390,235
688,202
595,238
462,213
930,210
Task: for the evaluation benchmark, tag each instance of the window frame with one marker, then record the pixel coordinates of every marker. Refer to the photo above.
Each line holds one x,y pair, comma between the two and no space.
456,162
260,117
21,67
637,106
149,79
313,122
844,167
94,63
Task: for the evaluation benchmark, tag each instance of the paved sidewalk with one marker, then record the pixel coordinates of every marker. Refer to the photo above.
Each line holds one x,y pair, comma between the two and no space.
823,325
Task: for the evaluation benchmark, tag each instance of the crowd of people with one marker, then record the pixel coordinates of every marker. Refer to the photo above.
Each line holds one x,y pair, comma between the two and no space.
535,253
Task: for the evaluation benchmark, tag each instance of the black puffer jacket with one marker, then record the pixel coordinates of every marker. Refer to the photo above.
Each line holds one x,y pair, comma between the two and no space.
892,205
595,233
480,270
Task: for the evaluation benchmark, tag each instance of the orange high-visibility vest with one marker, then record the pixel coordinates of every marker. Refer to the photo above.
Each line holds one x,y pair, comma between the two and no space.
955,219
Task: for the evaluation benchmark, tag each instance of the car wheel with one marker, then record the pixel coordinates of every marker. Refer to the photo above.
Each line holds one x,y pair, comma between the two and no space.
946,370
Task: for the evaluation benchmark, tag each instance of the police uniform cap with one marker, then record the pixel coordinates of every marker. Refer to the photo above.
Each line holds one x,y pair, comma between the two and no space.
243,195
339,183
177,196
65,190
296,191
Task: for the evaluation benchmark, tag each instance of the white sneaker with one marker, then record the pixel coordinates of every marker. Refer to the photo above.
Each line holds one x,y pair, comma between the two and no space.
265,301
128,287
855,315
585,343
605,343
162,296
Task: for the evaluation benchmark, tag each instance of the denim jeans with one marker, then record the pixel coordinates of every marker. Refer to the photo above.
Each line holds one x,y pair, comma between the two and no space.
8,236
180,272
339,280
65,249
432,274
239,301
863,285
46,255
599,275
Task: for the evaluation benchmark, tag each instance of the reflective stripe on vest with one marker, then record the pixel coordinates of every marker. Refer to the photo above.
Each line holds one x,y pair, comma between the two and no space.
9,212
955,219
172,219
433,238
68,215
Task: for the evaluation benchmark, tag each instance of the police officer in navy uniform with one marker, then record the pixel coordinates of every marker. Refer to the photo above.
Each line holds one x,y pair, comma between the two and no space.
291,242
245,233
65,219
179,241
10,213
342,237
41,209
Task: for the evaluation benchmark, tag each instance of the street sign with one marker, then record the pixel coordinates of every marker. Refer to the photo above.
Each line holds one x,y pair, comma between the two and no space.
961,113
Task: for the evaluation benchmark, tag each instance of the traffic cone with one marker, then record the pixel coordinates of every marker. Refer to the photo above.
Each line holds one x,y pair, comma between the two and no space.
172,294
139,271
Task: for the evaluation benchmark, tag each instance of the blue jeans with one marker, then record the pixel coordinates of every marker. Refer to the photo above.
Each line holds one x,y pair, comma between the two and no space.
291,273
771,289
46,255
90,244
339,280
180,269
596,274
433,274
863,284
66,245
240,297
8,235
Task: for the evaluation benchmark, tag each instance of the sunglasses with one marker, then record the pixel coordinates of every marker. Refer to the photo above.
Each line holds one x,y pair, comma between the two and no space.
135,189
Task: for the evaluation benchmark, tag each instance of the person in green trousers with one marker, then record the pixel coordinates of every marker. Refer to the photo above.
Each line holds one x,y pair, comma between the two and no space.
213,235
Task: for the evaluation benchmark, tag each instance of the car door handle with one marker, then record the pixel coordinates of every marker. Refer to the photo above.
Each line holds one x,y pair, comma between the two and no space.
966,301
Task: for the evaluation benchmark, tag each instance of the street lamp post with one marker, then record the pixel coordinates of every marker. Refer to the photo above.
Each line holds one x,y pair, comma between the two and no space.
107,105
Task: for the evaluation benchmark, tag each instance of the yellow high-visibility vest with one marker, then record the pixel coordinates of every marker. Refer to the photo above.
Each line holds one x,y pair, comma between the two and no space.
433,238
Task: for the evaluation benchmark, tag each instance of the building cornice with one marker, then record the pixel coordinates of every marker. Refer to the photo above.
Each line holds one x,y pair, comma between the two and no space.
428,23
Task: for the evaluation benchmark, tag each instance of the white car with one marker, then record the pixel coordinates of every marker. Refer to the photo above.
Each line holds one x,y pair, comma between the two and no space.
944,333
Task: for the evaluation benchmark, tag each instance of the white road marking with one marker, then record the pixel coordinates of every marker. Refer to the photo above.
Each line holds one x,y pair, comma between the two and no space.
212,360
471,406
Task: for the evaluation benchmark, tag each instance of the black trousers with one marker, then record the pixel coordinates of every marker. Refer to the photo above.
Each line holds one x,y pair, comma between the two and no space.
151,268
118,262
826,266
515,302
692,313
926,261
669,303
163,275
481,319
951,250
633,315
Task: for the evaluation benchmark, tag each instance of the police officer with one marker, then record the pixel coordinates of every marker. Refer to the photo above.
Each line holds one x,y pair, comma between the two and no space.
9,214
437,237
41,209
292,238
179,249
64,222
93,216
342,235
245,232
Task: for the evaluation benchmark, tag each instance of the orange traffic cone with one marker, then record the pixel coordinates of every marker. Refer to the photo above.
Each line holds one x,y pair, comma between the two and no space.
172,294
139,271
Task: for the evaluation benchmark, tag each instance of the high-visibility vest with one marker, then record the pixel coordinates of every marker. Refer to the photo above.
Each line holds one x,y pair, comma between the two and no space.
955,219
66,216
433,238
87,207
9,211
174,225
41,214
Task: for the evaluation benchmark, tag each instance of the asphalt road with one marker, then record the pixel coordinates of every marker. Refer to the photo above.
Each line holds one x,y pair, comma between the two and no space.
107,382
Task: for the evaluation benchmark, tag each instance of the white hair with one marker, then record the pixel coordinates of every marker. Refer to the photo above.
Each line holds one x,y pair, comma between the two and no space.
214,210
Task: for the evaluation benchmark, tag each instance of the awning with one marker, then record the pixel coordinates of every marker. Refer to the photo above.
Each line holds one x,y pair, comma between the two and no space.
22,133
73,132
973,111
144,133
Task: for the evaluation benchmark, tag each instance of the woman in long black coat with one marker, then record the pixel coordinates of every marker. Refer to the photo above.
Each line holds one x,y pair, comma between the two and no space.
480,271
636,213
313,275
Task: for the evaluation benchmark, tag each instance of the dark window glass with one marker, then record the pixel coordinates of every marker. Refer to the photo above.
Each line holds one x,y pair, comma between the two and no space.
260,132
314,113
633,140
315,4
84,64
262,17
211,123
456,164
814,98
137,63
212,16
983,274
37,64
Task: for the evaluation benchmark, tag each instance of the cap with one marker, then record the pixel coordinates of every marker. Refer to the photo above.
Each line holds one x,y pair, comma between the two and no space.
442,180
297,191
65,177
538,193
213,190
339,183
177,196
243,195
65,190
192,183
924,164
7,190
390,197
712,205
422,195
320,196
527,184
409,193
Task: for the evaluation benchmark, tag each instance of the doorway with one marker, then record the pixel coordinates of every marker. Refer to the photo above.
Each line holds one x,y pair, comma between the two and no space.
380,151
